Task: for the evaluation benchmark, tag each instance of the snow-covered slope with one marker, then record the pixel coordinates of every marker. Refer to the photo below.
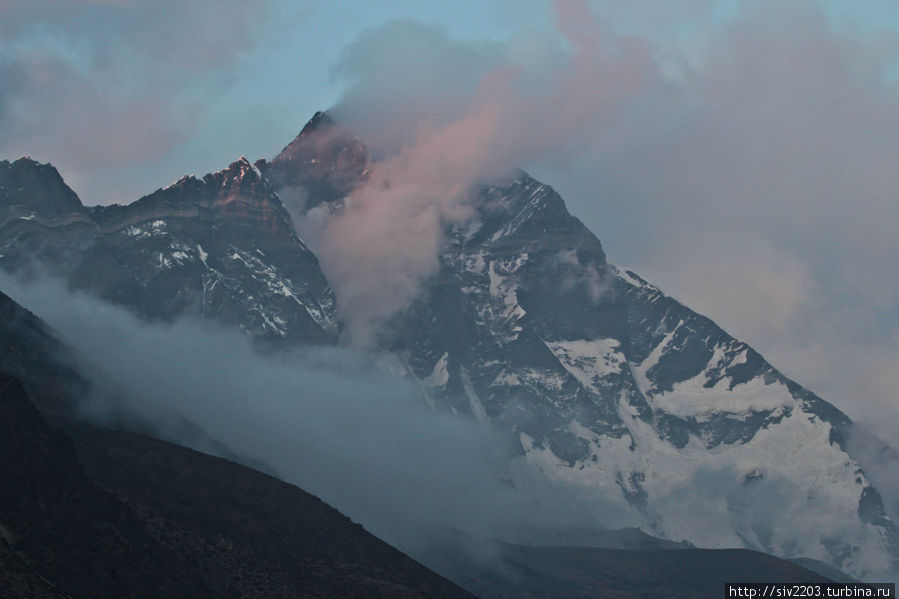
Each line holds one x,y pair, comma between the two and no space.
648,411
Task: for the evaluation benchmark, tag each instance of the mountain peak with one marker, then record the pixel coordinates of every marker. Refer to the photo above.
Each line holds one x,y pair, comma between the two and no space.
240,183
324,159
240,173
184,181
31,186
247,168
320,120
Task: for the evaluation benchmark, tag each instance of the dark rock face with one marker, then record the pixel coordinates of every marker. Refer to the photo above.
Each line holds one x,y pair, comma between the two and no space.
222,248
517,279
623,392
41,218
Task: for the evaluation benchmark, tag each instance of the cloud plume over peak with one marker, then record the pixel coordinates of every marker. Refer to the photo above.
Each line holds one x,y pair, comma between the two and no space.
499,117
748,169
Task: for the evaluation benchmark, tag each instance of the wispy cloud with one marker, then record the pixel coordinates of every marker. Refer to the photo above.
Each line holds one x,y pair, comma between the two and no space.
326,420
747,169
501,114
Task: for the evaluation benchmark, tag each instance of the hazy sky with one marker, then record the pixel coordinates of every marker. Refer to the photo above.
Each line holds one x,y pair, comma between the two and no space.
741,155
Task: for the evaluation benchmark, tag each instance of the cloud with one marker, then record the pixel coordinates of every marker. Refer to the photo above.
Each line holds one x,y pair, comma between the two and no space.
325,420
432,74
746,284
122,130
109,86
742,159
766,197
384,246
586,277
758,187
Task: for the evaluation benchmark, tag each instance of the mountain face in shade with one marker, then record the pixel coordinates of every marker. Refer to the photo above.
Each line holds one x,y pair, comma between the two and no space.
222,248
26,183
620,395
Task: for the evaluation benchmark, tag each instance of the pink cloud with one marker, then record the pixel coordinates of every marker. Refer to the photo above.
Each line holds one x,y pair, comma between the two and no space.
379,252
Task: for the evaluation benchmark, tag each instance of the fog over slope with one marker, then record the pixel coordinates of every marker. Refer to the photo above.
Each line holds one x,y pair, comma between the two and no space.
326,420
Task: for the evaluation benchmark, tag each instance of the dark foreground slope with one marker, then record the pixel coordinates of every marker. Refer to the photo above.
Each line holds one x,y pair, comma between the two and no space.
521,572
176,523
258,536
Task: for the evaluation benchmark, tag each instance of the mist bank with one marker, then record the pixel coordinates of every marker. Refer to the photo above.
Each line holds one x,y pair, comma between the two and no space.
325,419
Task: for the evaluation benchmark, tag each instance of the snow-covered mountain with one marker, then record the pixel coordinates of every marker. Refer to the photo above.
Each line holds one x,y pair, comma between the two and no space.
629,400
619,395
